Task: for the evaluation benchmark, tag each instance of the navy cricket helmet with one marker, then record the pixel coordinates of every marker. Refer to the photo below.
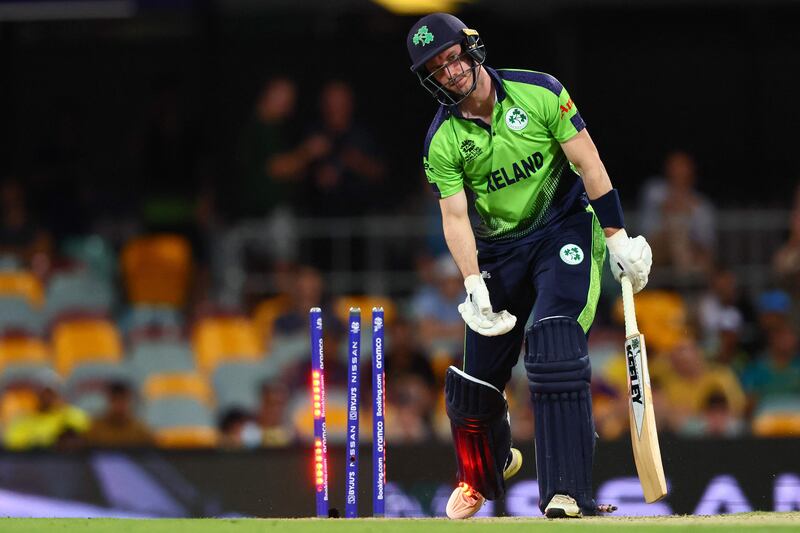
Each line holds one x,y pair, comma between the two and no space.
430,36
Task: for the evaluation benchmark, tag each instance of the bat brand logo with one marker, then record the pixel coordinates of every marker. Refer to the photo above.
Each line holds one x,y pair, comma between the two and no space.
633,352
636,391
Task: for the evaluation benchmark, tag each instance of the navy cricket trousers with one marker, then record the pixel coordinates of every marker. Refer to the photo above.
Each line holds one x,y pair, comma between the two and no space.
555,272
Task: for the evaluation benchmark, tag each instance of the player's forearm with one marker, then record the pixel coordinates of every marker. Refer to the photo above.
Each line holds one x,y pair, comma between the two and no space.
461,242
595,179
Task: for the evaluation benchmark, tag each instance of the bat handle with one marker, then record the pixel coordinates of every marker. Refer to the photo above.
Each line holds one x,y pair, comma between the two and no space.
628,308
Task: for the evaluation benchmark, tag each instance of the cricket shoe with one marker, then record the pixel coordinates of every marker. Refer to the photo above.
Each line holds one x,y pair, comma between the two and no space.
466,501
563,506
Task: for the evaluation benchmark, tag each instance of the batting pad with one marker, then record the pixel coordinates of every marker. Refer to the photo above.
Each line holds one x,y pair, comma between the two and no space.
481,433
559,372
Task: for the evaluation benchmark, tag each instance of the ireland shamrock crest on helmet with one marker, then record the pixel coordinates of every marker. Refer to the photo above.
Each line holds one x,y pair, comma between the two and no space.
423,36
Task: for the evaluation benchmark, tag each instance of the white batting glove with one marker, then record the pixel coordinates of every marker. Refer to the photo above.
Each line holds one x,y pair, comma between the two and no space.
477,310
631,256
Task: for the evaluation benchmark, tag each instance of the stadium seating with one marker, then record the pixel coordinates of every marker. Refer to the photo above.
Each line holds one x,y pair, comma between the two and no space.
238,384
22,284
662,314
77,292
156,357
23,351
181,385
17,315
302,416
157,270
217,340
94,254
87,383
778,416
85,341
180,422
264,317
186,437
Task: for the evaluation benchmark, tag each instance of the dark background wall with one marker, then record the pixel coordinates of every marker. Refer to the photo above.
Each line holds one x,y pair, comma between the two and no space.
717,79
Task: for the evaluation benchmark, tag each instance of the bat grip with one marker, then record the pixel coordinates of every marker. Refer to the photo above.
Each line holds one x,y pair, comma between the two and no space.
628,308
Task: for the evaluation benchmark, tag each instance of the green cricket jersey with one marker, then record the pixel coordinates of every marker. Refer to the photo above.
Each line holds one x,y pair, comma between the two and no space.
516,169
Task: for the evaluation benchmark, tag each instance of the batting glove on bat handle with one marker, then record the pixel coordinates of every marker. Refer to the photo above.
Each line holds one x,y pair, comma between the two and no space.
630,256
477,310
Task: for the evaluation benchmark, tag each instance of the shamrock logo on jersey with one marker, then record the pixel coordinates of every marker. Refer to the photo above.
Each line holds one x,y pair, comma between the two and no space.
422,37
571,254
516,119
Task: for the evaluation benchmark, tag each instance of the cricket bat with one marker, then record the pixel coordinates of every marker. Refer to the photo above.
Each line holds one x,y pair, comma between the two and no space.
644,435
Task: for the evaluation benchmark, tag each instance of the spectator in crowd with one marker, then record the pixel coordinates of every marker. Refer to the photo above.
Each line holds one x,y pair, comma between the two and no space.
776,373
721,311
307,292
272,416
346,170
786,262
774,311
403,355
715,420
435,310
271,165
237,430
688,379
118,426
267,175
290,331
408,411
20,235
678,220
54,423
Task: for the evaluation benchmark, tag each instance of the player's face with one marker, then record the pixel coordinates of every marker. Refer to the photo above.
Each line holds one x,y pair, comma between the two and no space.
452,69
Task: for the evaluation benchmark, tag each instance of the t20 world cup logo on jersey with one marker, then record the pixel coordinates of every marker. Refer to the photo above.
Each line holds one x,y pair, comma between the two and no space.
470,150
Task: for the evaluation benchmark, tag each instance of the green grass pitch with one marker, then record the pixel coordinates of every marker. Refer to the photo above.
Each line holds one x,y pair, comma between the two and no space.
738,522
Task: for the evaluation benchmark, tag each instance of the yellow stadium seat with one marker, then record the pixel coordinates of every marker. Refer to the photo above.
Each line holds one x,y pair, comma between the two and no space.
157,270
186,437
189,384
777,424
343,304
217,340
24,285
302,416
661,316
23,350
264,318
85,341
15,402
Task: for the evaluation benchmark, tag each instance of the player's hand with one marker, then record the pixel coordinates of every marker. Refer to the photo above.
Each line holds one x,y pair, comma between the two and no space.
477,310
630,256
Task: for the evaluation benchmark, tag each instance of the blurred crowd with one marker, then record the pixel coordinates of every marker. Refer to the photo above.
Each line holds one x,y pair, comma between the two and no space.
110,333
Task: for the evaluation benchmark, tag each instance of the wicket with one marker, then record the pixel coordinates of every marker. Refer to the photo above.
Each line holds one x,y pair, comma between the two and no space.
352,441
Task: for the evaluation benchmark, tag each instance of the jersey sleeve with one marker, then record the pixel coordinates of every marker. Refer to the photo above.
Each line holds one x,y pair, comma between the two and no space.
563,119
441,161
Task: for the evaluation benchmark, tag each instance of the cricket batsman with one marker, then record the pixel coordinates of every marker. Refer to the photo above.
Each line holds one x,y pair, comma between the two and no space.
547,212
